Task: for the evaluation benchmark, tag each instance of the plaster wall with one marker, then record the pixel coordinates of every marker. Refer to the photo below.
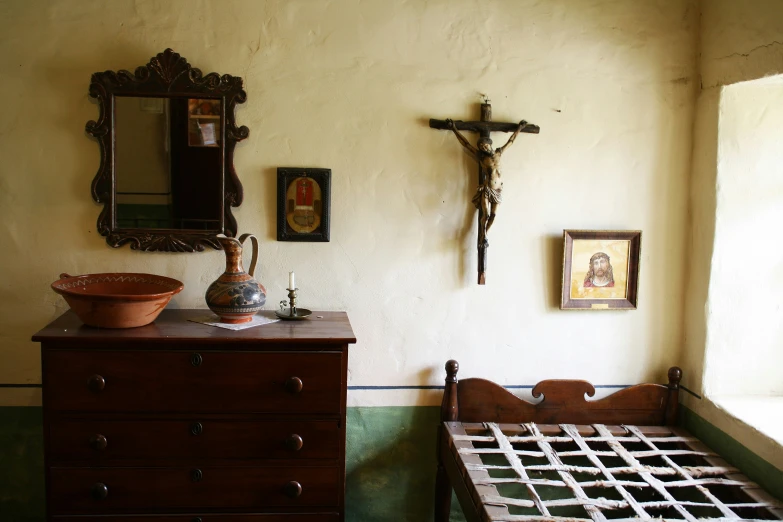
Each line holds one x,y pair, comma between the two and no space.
745,335
739,41
350,86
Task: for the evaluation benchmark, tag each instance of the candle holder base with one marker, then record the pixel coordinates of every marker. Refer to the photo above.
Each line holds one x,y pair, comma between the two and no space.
299,313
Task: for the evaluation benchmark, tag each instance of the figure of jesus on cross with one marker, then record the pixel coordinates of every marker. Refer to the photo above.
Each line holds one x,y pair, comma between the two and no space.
488,193
490,186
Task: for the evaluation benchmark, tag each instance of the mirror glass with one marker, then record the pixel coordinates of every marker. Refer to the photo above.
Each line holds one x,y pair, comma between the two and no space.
168,157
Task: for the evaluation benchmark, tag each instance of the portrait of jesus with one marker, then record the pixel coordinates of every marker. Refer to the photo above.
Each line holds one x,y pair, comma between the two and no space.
600,272
599,269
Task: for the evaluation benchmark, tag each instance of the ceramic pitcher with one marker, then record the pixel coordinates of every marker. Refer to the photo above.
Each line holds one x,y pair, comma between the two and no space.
236,296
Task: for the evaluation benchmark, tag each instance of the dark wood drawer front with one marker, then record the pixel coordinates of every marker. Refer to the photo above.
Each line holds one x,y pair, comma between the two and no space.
112,490
192,381
221,517
98,440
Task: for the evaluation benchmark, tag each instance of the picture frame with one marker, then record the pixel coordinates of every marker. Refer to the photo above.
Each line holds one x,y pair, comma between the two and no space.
601,269
303,204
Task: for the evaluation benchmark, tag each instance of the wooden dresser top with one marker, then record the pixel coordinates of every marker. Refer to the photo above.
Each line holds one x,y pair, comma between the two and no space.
173,325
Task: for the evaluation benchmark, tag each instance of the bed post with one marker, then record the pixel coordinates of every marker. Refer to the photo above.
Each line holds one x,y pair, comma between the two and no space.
673,402
449,411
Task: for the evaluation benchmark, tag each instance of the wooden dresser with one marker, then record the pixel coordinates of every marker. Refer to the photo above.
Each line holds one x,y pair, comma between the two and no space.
182,422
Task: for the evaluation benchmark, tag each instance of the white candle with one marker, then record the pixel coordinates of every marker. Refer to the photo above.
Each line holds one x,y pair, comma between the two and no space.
291,285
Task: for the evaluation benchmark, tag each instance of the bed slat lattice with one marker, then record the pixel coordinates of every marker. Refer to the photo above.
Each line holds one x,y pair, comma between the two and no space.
602,473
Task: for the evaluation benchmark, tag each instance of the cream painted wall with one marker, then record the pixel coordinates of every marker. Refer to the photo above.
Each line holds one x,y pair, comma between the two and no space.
350,86
744,351
739,41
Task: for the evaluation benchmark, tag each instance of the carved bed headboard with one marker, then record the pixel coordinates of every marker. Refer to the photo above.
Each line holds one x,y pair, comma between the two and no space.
564,401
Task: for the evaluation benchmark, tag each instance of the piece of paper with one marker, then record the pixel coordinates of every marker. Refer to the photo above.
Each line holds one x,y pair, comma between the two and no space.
260,319
207,133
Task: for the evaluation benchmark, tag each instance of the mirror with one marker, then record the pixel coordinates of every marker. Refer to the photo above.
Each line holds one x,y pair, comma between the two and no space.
167,163
167,137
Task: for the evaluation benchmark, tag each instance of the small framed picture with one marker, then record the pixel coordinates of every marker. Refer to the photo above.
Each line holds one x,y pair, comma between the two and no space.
303,204
601,269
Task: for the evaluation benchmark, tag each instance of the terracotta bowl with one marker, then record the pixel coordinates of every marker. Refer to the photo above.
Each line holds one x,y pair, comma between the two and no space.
117,300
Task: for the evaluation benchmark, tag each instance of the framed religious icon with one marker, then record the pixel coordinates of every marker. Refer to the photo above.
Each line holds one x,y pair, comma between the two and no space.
303,204
601,269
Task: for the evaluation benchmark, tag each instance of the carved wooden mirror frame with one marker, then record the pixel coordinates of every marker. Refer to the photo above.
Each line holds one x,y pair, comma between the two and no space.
166,75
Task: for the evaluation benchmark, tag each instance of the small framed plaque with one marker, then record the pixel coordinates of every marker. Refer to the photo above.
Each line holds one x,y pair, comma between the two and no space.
303,204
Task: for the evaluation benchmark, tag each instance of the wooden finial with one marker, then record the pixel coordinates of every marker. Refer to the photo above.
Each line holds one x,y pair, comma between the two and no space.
673,402
452,367
675,375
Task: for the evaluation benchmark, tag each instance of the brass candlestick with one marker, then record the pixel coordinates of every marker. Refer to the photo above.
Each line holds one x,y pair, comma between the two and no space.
292,312
292,301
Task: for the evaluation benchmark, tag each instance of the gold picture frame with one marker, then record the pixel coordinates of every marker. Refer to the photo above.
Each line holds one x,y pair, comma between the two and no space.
601,269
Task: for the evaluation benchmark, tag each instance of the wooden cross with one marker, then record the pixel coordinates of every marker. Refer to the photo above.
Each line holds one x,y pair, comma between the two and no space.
484,127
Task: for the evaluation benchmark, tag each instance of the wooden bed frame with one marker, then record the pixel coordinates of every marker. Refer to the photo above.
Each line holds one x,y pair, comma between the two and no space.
480,419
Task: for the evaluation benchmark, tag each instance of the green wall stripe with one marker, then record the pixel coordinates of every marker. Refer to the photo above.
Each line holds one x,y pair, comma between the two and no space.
754,467
390,464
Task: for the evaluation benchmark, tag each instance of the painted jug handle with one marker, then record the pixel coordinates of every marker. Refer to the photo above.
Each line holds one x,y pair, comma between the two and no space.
254,259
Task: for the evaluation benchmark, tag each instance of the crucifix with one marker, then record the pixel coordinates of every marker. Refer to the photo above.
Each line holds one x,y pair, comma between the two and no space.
488,193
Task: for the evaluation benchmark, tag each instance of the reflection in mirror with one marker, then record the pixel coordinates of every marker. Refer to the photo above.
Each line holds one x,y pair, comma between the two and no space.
168,156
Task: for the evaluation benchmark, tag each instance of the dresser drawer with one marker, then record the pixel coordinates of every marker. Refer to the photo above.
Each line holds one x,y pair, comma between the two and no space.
101,440
217,517
111,490
200,381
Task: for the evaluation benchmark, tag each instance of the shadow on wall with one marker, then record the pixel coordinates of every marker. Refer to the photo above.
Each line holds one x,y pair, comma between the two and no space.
553,263
390,464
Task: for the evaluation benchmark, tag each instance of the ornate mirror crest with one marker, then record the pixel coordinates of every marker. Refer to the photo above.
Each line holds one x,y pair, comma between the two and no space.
165,85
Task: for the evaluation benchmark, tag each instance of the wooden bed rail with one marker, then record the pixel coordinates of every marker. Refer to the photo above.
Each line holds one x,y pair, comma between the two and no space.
479,400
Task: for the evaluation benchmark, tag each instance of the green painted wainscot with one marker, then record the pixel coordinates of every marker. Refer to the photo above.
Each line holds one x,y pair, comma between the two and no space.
21,464
390,463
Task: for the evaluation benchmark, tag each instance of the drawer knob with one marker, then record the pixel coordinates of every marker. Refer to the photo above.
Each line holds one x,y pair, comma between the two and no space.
293,442
99,491
293,489
96,383
196,475
196,359
293,385
196,428
98,442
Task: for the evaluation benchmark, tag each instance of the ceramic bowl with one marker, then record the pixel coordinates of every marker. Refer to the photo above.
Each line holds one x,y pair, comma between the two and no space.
118,300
